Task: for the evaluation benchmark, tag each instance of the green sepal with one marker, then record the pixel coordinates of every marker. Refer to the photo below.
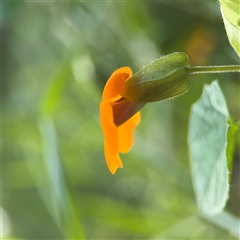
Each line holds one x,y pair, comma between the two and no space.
165,78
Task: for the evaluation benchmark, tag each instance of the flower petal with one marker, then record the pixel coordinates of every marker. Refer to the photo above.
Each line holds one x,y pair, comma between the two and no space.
113,160
110,131
119,117
125,133
115,84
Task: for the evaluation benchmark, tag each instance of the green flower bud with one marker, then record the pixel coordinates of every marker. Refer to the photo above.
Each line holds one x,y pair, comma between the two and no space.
164,78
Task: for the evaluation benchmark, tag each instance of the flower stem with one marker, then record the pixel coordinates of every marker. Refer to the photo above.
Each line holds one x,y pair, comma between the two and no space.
214,69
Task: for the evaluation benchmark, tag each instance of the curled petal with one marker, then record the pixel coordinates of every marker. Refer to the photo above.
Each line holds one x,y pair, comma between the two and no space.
115,84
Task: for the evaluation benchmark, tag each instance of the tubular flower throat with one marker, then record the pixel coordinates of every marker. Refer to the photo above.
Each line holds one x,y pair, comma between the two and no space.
119,116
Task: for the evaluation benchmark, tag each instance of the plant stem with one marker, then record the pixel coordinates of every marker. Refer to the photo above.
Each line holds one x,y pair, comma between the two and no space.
214,69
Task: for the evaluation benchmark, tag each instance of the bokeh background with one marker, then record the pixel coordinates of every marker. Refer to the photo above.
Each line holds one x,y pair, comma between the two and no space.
56,58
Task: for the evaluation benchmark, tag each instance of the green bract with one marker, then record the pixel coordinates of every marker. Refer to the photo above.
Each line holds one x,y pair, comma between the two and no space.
165,78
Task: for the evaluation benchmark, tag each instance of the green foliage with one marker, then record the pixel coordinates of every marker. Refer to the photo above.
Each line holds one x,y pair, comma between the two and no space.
164,78
231,17
207,140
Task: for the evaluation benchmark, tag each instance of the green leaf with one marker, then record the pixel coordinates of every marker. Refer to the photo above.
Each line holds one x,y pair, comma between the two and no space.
207,140
231,17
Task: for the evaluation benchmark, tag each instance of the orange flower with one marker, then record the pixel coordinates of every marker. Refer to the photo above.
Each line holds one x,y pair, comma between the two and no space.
119,117
124,95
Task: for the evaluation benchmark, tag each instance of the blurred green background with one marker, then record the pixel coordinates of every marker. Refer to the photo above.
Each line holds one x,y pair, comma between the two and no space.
56,58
